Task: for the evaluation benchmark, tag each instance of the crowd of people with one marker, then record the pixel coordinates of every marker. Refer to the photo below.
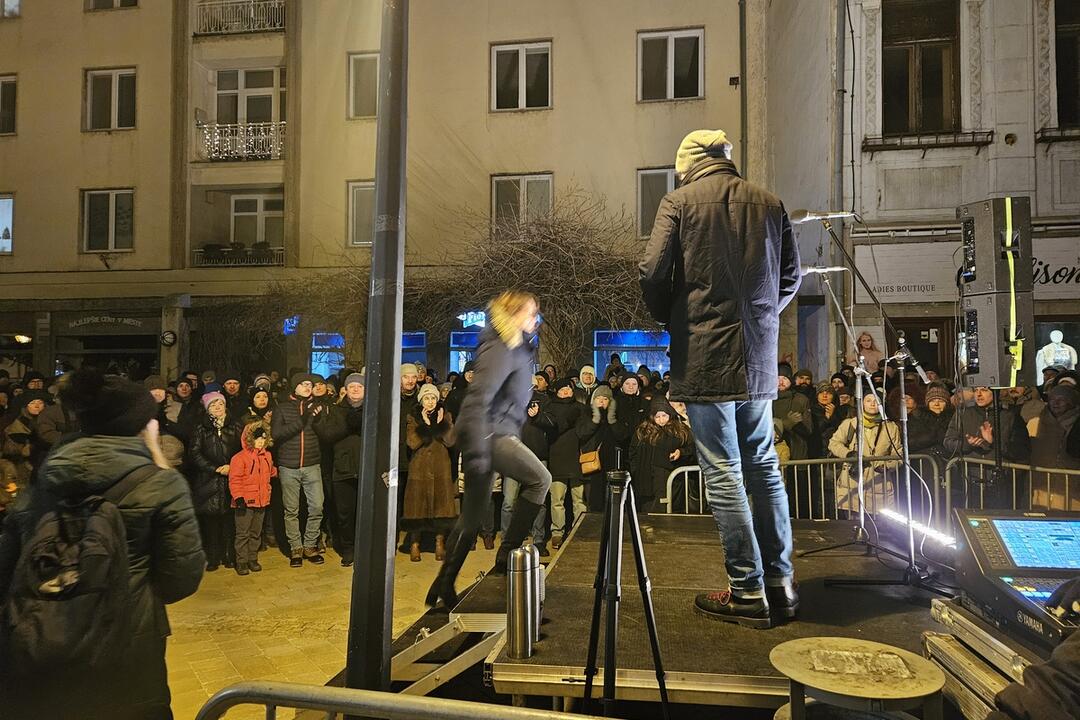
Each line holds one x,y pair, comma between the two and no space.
274,461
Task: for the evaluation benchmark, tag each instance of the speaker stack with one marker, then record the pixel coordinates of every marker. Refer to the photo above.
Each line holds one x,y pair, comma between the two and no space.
995,279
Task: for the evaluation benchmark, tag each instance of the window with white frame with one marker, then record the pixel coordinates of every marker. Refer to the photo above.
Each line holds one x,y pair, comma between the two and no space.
258,219
363,85
9,8
250,96
671,64
108,220
110,4
8,88
652,185
7,222
521,76
110,99
361,212
520,198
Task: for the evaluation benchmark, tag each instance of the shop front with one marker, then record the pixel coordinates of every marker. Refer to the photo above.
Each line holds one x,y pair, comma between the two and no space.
125,344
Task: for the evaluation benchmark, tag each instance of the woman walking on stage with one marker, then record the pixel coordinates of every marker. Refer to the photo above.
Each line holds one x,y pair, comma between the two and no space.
490,423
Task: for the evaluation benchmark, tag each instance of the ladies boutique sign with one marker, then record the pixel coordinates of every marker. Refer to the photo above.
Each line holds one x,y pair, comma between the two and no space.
926,271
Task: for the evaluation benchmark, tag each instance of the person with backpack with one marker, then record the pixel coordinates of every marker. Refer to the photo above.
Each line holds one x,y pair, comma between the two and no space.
98,650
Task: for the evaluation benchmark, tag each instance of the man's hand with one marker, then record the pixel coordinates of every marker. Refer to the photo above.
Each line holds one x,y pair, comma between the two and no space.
976,441
986,432
1066,599
534,409
829,410
223,470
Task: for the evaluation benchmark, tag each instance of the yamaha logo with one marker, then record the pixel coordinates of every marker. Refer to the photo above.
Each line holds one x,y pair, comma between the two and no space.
1029,621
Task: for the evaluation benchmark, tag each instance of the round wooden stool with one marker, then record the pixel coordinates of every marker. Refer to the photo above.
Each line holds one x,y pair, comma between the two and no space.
858,675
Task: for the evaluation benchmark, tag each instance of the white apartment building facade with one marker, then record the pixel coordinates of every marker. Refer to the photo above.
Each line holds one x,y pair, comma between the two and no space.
156,155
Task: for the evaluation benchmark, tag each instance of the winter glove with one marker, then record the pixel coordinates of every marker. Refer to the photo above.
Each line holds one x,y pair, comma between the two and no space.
1066,599
241,503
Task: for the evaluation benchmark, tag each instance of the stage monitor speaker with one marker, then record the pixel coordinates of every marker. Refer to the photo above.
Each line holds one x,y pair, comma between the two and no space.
990,355
992,233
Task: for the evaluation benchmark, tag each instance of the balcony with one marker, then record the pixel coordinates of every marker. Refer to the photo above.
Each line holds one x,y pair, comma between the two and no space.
238,255
244,141
236,17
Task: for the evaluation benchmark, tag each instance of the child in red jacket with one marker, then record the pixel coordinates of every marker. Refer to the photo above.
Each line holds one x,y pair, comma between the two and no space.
249,484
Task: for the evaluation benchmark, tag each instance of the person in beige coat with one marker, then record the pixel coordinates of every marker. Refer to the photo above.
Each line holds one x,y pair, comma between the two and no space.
880,438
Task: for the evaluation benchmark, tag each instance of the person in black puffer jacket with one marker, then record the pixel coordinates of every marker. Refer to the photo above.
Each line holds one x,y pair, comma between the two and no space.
631,409
827,413
928,425
165,557
491,419
342,428
213,443
565,461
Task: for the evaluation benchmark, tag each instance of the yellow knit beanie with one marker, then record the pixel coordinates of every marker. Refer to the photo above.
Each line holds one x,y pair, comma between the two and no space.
698,145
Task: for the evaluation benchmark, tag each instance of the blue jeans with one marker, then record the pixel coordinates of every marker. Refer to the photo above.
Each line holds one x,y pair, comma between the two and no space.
735,445
511,488
293,480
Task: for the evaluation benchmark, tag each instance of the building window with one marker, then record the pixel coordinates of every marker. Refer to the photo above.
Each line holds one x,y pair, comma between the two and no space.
634,348
363,85
361,213
248,96
919,68
108,220
652,186
671,65
1067,20
9,8
521,76
110,4
327,353
110,99
512,193
7,222
414,347
8,87
258,219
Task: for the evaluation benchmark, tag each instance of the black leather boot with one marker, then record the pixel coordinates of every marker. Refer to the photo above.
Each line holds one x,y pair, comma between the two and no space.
457,549
521,522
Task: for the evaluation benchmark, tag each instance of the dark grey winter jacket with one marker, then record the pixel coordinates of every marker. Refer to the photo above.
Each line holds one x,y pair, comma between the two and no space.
721,264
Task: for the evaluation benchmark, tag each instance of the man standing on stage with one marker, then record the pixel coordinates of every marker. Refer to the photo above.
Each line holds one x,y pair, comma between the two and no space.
720,265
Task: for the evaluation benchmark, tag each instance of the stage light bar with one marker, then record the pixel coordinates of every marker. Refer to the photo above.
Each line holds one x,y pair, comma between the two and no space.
936,535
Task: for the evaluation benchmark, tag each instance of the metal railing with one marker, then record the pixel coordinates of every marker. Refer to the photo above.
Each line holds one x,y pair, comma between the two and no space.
970,482
243,141
365,703
227,256
818,489
231,17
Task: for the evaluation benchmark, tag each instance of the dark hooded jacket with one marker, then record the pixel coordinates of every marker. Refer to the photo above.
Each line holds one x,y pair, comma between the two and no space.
721,264
537,431
341,427
164,554
211,448
498,396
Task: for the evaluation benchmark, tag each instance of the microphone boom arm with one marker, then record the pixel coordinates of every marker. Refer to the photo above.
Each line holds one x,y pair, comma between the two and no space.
854,269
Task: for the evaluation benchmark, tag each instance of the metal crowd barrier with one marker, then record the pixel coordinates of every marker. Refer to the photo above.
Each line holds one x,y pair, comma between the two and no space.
818,489
335,701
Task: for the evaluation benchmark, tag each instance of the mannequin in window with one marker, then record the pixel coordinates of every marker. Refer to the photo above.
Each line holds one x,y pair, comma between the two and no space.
1055,352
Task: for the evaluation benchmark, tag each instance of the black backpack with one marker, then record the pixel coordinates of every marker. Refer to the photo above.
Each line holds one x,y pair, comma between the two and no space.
69,603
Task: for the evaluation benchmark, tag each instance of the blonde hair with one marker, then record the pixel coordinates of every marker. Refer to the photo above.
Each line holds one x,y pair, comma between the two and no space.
502,310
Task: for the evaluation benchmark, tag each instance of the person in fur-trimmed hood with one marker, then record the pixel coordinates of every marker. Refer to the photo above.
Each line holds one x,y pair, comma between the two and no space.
250,471
491,419
598,431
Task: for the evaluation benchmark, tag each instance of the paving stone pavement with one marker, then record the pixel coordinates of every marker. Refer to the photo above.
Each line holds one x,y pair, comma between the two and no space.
283,623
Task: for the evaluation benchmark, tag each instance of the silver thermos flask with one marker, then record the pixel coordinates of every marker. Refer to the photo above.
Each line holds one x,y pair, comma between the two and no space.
538,591
521,597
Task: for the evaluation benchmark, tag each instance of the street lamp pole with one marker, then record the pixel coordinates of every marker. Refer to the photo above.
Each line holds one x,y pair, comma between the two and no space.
372,607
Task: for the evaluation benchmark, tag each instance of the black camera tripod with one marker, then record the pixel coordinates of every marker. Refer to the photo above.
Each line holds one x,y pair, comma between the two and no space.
609,589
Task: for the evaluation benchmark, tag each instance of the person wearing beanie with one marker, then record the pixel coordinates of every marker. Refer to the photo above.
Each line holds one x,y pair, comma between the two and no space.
250,472
263,380
826,415
792,409
236,401
410,386
259,408
341,430
631,409
976,432
1053,445
164,554
430,498
33,380
552,373
838,381
299,468
586,384
57,419
661,444
722,353
804,383
598,431
213,443
22,443
928,425
208,376
490,425
186,412
536,436
564,460
458,391
881,438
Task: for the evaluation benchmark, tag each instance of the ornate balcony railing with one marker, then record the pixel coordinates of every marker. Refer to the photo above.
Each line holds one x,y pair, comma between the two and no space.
237,255
244,141
230,17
